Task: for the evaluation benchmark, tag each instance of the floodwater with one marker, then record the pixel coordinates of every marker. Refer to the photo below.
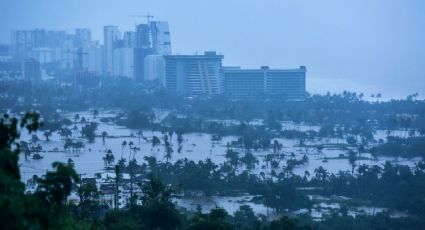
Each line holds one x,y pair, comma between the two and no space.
196,146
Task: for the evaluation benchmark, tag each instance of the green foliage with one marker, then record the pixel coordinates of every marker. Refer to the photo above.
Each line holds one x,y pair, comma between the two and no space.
403,147
44,209
56,186
217,219
88,131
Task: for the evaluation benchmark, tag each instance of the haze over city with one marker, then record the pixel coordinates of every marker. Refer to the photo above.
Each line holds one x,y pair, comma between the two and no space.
363,46
212,114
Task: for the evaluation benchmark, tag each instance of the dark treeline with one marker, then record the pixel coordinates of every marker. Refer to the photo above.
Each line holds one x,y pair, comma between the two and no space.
346,109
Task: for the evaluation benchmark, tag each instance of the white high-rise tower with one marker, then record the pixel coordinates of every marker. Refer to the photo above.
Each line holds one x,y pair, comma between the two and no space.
111,34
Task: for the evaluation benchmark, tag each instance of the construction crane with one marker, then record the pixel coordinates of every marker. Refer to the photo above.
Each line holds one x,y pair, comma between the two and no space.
148,16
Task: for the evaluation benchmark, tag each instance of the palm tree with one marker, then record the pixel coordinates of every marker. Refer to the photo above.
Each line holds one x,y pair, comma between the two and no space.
267,159
130,145
27,153
104,134
179,138
105,161
168,152
109,157
78,145
249,160
124,144
306,175
121,163
34,139
65,133
352,158
305,159
321,174
71,162
47,134
139,134
95,113
135,150
155,141
76,117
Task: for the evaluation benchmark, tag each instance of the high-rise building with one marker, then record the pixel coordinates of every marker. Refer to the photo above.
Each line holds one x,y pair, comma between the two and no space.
45,54
110,34
5,53
24,41
154,68
252,84
139,62
39,38
82,37
123,62
21,44
193,75
142,36
161,42
93,59
55,39
129,39
31,70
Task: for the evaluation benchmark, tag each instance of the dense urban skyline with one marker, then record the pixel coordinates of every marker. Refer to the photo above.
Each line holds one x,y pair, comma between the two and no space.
370,48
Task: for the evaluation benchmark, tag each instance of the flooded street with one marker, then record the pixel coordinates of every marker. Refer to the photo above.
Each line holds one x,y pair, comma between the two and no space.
196,146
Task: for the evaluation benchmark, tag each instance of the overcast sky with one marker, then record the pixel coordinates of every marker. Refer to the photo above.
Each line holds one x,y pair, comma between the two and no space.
361,45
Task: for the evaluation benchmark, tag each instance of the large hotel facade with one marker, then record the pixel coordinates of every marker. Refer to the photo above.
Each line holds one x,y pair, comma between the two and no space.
204,75
194,75
250,84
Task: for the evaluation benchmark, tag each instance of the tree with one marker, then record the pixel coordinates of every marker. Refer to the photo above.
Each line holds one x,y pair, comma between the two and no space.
158,211
284,223
109,158
139,134
215,220
124,144
88,131
155,141
179,138
245,218
233,158
352,158
65,133
95,113
249,160
104,135
321,174
76,118
56,186
44,209
34,139
87,191
47,134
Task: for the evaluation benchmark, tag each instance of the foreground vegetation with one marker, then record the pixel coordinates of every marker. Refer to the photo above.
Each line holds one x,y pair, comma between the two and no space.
47,208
